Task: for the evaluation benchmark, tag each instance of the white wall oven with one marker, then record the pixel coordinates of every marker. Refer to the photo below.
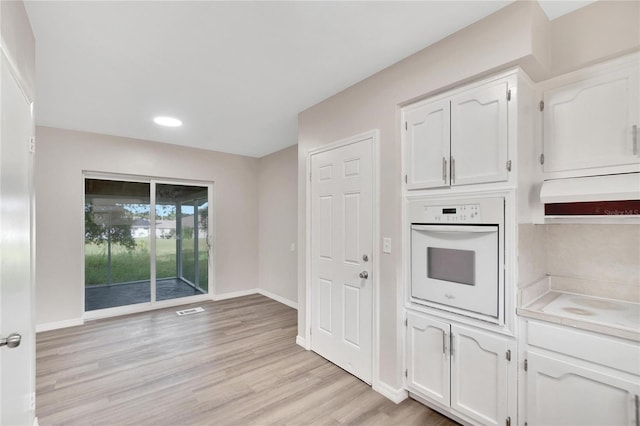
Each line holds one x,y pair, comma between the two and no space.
457,256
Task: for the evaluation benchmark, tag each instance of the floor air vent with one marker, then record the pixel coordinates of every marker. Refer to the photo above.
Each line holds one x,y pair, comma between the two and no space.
190,311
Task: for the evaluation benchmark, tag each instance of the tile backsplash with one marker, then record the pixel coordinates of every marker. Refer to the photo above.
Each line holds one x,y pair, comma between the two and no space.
600,260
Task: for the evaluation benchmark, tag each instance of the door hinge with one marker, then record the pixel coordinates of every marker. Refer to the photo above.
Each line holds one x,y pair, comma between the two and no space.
32,145
406,125
509,165
509,94
526,365
508,355
541,105
541,158
508,421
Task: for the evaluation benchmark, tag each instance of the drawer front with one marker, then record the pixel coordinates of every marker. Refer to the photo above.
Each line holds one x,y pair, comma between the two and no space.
610,352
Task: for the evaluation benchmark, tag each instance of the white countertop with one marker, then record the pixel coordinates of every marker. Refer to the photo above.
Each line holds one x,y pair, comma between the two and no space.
607,316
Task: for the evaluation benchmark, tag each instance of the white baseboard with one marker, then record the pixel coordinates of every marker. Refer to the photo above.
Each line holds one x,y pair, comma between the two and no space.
59,324
395,395
284,301
301,341
234,294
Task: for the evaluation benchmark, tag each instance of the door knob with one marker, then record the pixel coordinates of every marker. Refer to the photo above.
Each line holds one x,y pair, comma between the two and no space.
12,341
364,275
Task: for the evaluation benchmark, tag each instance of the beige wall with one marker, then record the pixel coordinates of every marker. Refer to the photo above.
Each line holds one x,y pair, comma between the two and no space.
599,31
18,42
277,212
519,34
62,156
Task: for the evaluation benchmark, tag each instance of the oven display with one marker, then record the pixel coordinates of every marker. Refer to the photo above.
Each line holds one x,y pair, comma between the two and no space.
461,213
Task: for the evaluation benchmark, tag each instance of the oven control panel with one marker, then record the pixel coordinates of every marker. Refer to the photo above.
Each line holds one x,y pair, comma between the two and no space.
464,213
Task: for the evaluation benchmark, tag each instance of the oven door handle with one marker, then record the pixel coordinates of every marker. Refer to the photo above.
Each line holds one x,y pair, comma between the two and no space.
454,228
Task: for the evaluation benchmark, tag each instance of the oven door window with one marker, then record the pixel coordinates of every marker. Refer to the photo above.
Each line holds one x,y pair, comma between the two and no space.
453,265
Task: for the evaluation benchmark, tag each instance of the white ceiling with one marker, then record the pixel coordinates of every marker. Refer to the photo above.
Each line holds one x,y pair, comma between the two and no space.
236,73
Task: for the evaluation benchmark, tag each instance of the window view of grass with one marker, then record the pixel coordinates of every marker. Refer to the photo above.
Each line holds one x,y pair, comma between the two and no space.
127,266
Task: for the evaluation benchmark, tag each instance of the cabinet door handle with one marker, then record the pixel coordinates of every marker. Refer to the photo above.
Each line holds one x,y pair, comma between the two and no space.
451,345
637,401
444,344
444,169
634,135
453,170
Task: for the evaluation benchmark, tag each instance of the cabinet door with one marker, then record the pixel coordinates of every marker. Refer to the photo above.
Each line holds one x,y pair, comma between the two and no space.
428,357
427,137
479,375
559,393
479,135
590,123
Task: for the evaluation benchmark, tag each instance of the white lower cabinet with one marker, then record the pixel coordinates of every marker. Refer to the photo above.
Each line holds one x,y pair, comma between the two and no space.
465,371
579,378
562,393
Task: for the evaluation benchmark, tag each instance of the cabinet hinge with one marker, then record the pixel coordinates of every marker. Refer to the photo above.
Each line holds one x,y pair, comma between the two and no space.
526,365
541,105
509,94
310,177
509,165
406,179
406,125
406,322
406,373
541,158
32,145
508,355
508,421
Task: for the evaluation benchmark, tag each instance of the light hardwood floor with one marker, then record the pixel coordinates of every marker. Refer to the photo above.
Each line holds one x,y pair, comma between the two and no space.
235,364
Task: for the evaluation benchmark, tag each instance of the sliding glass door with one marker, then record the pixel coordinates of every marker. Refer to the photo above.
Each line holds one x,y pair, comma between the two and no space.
144,242
182,254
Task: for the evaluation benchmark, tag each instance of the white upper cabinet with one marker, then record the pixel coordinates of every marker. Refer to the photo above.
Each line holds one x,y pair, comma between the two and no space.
591,119
428,145
459,138
479,142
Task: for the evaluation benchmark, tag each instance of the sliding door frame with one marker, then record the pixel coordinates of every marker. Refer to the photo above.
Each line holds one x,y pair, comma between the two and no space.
153,303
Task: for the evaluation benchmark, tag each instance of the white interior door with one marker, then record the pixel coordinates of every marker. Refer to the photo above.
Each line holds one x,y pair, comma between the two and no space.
341,256
17,364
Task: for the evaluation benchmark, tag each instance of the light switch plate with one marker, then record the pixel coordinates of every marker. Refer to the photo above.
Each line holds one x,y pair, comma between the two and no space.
386,245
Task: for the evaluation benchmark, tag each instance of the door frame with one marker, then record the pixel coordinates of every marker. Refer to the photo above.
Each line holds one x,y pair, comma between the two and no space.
152,304
374,136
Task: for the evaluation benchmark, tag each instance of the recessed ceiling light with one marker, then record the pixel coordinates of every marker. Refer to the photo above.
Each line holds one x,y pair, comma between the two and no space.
168,121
